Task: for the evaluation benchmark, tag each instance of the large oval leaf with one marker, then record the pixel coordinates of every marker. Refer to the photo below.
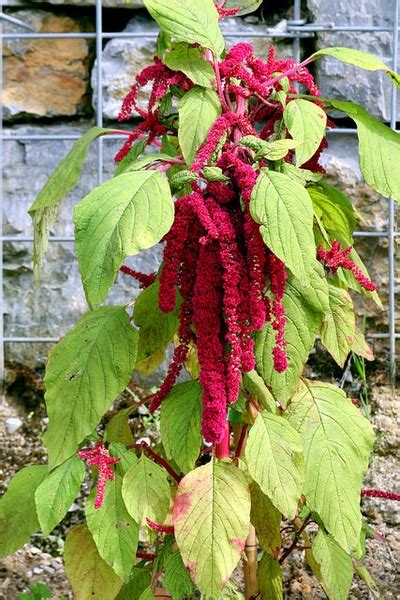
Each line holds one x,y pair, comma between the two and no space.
57,492
114,531
336,566
86,371
18,519
146,491
306,123
189,21
198,109
337,444
379,148
89,575
121,217
191,61
272,454
181,424
305,308
211,516
338,328
284,211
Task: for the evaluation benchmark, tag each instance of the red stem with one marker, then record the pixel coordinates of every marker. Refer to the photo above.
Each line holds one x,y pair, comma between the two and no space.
219,84
222,450
380,494
158,459
145,555
289,71
242,439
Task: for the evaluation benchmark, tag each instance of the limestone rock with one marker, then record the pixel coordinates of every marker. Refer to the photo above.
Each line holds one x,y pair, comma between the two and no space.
52,308
339,80
46,78
122,59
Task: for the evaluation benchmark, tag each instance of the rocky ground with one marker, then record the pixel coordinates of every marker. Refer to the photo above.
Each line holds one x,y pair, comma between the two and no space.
22,420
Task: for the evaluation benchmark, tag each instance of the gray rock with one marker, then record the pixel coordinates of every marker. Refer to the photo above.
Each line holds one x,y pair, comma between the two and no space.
12,424
339,80
122,59
51,309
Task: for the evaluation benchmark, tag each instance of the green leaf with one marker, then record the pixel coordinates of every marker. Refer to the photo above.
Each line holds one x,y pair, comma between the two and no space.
181,179
181,424
157,328
364,60
231,592
198,109
39,591
283,208
188,21
146,491
270,578
86,371
267,521
336,566
271,150
254,385
127,458
192,63
57,492
114,531
146,160
245,6
89,575
366,576
306,122
305,308
379,148
176,577
117,428
211,516
338,327
147,594
139,580
272,451
134,153
18,519
44,210
302,176
334,209
121,217
337,444
214,174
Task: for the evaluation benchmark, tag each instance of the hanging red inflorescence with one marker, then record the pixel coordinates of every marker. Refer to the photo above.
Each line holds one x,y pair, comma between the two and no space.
100,457
337,257
230,283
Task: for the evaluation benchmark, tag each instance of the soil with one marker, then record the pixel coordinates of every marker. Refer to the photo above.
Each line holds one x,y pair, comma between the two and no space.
40,561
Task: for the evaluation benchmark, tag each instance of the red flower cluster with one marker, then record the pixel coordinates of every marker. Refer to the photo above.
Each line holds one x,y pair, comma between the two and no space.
100,457
229,282
336,258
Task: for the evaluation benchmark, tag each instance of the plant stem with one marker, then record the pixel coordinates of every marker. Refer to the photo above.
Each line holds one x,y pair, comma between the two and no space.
159,459
219,84
289,71
250,566
222,450
241,443
293,545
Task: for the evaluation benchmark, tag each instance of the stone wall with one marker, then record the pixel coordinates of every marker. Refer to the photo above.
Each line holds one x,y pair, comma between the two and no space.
50,88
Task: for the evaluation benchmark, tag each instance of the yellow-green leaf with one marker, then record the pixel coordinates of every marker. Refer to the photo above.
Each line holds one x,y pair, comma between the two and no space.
189,21
86,371
270,578
306,123
211,516
181,424
284,211
89,575
198,109
119,218
336,566
338,327
114,531
266,519
191,61
146,491
272,455
57,492
337,444
18,518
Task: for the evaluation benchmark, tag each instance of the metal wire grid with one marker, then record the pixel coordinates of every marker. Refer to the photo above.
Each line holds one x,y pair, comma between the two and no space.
297,29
